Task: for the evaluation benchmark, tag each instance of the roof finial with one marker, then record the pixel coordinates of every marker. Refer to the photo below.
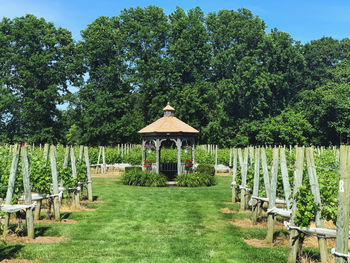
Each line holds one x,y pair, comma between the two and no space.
168,111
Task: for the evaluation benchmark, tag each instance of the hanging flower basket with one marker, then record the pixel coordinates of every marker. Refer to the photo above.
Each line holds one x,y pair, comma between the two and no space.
188,165
188,162
147,163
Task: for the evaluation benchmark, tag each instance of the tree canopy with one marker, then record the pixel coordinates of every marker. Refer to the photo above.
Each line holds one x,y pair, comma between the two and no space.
224,73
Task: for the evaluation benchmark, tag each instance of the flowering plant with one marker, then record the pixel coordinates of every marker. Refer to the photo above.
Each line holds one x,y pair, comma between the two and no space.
188,160
148,161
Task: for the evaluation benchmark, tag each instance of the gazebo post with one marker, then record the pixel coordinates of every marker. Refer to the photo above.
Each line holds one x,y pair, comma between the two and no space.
179,144
143,154
157,142
193,149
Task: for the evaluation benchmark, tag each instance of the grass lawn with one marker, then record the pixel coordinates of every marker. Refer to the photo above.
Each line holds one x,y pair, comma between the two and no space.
139,224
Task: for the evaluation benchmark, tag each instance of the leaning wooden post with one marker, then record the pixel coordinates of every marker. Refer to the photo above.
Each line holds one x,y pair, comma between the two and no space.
251,159
11,184
341,243
285,177
56,202
298,178
244,180
104,167
322,242
65,162
66,157
99,157
255,204
241,164
265,172
81,149
46,152
87,163
272,195
234,174
230,160
74,174
27,192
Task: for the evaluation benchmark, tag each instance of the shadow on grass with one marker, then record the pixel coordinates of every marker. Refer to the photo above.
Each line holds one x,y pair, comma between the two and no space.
65,215
280,233
9,251
311,254
40,231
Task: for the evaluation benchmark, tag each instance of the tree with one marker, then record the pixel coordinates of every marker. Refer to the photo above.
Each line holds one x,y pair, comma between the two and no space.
146,34
104,99
288,128
37,63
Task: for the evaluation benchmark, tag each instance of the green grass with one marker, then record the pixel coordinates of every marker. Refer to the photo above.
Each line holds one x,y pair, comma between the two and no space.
141,224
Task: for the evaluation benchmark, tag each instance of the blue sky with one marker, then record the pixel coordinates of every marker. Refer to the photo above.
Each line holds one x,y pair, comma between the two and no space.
305,20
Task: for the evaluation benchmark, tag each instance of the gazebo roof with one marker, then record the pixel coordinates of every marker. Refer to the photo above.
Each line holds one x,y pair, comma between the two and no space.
168,124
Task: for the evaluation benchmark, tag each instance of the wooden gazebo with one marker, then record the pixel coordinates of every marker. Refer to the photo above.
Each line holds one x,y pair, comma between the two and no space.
168,128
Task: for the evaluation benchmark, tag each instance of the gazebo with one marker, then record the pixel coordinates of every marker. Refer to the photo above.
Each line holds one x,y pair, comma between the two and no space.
168,128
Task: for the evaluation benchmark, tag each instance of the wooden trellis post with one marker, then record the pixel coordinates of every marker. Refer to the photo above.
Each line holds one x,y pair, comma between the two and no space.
104,167
56,202
285,177
11,183
272,195
81,149
265,172
234,174
341,243
88,175
322,243
298,178
99,157
255,206
243,163
74,174
27,192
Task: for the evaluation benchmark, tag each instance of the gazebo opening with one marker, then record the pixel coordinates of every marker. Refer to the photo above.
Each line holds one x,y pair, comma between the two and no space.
168,131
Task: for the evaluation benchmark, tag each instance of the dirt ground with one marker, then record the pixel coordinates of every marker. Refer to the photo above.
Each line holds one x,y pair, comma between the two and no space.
15,260
283,240
111,172
38,240
63,221
66,208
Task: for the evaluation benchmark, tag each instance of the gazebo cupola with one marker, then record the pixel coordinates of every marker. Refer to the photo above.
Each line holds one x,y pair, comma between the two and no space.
170,128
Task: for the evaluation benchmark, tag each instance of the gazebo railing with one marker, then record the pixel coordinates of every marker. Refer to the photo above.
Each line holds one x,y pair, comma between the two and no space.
168,167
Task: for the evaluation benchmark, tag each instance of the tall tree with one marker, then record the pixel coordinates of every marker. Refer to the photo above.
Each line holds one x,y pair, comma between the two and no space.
37,63
104,100
146,35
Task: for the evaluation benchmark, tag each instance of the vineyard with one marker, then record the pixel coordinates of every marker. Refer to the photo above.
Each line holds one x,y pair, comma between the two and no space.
304,188
48,175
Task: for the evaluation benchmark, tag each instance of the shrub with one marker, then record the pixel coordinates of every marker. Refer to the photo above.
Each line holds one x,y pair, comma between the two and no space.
129,168
143,178
206,169
195,179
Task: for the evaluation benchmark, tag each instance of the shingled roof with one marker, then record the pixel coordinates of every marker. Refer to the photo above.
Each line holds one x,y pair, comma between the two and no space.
168,124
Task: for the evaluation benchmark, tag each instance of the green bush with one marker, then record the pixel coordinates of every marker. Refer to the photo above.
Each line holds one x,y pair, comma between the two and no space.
206,169
129,168
143,178
195,179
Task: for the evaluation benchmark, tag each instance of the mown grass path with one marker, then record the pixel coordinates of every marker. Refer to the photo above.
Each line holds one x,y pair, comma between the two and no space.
138,224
